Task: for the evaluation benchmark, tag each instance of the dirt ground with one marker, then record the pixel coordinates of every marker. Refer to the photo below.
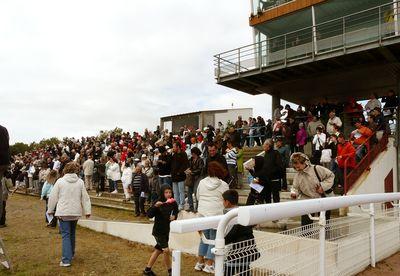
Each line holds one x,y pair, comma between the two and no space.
36,250
388,267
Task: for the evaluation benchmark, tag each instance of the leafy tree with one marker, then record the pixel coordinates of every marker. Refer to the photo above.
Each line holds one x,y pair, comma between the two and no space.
18,148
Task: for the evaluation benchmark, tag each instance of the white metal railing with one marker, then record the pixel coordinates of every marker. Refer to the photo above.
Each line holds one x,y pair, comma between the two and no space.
368,26
253,215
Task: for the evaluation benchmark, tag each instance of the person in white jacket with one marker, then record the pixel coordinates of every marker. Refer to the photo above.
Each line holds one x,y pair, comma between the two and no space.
127,179
113,175
72,200
210,203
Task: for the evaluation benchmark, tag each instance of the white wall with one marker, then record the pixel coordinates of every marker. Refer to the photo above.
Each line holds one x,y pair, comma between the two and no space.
232,115
373,181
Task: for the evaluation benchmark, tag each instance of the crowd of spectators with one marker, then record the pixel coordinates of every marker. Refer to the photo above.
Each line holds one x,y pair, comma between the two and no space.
143,162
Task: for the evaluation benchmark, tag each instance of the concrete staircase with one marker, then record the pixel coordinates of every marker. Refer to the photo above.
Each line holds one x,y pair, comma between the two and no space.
249,153
116,201
245,188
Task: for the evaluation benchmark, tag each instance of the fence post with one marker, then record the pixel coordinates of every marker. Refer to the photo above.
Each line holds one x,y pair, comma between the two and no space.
176,263
219,249
372,233
322,226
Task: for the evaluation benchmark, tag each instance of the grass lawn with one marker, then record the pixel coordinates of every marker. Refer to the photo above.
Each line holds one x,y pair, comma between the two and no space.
35,249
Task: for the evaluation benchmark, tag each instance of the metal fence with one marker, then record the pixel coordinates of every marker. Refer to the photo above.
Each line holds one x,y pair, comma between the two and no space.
361,28
341,246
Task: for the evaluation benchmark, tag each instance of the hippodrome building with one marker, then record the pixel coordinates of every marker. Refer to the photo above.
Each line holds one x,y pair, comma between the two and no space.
305,50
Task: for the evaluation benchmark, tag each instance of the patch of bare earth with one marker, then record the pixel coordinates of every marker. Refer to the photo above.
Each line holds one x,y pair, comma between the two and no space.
36,250
388,267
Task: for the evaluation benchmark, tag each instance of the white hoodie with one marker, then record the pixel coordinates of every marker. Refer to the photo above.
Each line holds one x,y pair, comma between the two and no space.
126,177
209,196
70,196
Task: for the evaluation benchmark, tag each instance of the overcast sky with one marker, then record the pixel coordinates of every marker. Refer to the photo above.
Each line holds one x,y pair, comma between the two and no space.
72,68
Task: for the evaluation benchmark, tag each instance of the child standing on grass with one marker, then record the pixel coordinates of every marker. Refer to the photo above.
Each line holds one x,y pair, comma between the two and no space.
164,211
46,190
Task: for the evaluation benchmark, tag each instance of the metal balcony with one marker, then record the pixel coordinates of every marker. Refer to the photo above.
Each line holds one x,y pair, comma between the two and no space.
367,29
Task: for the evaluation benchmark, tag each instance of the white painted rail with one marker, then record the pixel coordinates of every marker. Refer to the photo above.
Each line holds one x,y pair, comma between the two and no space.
252,215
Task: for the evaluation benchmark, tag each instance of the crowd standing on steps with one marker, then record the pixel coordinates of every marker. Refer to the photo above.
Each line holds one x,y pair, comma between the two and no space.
193,168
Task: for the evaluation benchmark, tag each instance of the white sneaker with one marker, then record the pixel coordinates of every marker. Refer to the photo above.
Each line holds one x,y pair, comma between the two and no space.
114,192
64,265
199,267
209,269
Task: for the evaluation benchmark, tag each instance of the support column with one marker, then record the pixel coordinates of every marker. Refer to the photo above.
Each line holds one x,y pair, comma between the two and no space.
276,101
314,30
397,134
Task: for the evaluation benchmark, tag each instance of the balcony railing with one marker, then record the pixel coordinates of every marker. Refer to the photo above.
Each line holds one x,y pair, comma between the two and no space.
373,25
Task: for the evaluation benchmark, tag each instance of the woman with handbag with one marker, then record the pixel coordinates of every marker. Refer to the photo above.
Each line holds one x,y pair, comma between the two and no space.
193,174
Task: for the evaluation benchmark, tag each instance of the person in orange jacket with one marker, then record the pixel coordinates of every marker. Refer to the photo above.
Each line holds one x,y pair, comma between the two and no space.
345,151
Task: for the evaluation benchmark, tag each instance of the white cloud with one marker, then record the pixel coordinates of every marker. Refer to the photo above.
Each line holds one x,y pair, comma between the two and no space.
75,67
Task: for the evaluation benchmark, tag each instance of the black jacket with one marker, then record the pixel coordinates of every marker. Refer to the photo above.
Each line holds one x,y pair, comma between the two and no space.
162,214
4,147
179,165
273,165
196,167
164,169
259,172
218,158
244,248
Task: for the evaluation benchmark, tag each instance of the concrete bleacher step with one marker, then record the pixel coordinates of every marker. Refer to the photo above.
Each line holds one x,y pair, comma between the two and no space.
113,203
250,152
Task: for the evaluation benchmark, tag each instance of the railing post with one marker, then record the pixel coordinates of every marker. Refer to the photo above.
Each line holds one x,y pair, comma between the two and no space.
396,17
219,249
285,50
239,61
380,26
176,263
219,68
345,176
260,55
322,253
344,34
372,233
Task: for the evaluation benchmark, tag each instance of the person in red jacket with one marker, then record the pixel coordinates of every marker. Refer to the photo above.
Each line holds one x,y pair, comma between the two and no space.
345,151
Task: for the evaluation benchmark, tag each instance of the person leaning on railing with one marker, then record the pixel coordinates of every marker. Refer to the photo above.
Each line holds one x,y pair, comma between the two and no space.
310,181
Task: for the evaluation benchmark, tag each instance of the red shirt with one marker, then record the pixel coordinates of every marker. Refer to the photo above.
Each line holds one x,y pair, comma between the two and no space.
346,150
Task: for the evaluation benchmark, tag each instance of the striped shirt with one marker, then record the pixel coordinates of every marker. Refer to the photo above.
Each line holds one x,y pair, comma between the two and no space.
136,182
231,157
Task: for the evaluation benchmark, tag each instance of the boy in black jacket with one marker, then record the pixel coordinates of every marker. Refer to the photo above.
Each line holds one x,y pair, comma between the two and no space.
164,211
243,249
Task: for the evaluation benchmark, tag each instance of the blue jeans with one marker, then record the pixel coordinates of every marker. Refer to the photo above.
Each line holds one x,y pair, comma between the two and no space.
193,190
112,185
205,249
165,181
179,193
67,229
